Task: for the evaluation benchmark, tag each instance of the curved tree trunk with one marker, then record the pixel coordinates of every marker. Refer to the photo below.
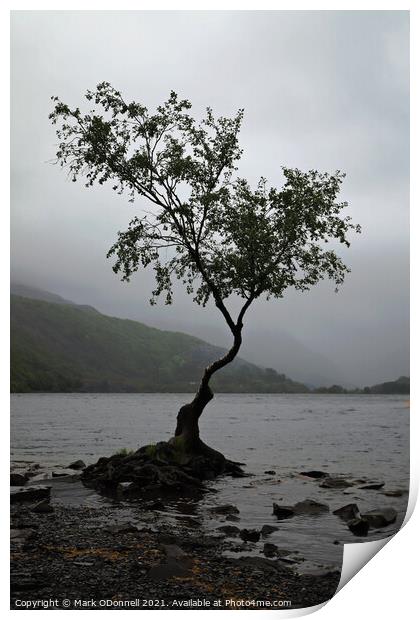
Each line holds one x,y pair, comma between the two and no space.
187,428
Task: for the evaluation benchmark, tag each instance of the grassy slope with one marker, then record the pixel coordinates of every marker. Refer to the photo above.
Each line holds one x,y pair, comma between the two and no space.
58,347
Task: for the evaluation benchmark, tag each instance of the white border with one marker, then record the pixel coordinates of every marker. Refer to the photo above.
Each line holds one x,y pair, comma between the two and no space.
386,586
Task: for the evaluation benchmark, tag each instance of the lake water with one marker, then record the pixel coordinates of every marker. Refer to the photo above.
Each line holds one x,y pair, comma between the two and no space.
357,436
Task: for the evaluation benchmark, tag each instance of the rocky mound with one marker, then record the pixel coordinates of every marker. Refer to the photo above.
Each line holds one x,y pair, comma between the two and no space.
158,469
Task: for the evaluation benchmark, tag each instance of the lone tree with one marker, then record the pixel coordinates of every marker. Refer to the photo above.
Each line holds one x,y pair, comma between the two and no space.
225,239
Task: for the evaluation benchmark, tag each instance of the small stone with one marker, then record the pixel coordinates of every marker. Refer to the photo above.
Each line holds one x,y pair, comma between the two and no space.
310,507
381,518
395,493
314,473
283,512
270,550
225,509
374,486
229,530
250,535
348,512
270,472
266,530
43,507
335,483
359,527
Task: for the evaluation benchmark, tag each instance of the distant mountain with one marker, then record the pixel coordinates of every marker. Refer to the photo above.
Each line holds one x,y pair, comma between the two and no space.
58,346
400,386
36,293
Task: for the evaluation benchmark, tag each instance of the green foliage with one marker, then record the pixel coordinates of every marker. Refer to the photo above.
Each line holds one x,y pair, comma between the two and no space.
69,348
228,238
151,450
124,452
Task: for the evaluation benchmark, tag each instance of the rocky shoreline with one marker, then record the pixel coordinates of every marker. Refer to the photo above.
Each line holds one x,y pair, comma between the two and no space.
128,555
121,552
88,554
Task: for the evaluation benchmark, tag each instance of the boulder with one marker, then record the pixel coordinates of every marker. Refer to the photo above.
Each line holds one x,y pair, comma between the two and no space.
348,512
250,535
335,483
25,494
359,527
314,473
77,465
310,507
266,530
225,509
283,512
43,507
381,518
270,550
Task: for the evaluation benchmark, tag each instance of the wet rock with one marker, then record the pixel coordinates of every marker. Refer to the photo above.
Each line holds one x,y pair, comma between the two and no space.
348,512
176,564
270,550
381,518
310,507
64,473
359,527
314,473
335,483
250,535
374,486
395,493
266,530
229,530
336,542
232,518
21,535
24,494
270,472
225,509
17,480
77,465
43,507
126,490
283,512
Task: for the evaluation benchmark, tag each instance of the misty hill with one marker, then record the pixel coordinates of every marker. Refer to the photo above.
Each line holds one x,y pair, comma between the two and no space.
36,293
400,386
59,346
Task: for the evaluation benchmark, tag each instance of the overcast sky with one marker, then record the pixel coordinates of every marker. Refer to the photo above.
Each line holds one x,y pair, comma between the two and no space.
324,90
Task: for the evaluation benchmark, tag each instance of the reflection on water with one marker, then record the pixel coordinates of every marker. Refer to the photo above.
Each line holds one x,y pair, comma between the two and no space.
363,436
